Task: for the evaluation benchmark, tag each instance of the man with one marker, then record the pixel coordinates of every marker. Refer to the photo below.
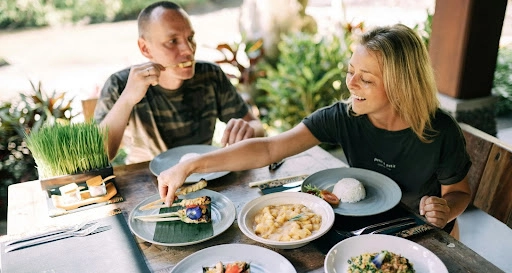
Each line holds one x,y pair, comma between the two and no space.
172,100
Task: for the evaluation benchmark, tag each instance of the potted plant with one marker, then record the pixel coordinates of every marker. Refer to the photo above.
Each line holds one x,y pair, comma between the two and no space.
309,74
63,149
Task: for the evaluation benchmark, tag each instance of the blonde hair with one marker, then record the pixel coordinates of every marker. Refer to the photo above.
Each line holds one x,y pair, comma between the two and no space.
408,75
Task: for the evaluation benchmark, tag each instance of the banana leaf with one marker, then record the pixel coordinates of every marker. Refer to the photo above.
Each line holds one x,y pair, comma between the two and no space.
180,232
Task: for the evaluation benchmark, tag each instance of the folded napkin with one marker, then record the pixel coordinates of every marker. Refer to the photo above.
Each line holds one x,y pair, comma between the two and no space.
281,184
113,250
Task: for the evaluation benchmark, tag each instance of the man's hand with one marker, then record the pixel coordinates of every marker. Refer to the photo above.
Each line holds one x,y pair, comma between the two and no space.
236,130
140,78
435,210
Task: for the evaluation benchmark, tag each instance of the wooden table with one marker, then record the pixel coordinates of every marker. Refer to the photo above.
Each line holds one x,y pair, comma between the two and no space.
27,212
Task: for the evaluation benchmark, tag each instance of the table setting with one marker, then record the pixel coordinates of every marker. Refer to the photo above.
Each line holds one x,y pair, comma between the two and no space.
234,201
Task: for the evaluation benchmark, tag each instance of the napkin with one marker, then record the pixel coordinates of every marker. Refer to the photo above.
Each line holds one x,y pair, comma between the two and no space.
347,223
113,250
280,184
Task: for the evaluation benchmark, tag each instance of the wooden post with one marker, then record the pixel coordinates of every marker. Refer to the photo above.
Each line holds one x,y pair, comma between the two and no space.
464,45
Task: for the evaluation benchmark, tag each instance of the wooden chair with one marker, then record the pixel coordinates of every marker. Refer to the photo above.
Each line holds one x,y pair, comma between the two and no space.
490,176
88,106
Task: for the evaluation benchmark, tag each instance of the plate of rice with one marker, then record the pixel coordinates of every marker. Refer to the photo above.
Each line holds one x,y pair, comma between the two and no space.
398,255
366,193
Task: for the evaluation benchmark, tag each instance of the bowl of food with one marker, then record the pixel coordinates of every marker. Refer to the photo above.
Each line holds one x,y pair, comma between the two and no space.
381,252
286,220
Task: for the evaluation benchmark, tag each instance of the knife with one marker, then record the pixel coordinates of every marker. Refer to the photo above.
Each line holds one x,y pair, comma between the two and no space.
292,186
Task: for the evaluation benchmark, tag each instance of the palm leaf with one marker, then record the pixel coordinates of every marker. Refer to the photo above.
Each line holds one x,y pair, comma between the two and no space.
180,232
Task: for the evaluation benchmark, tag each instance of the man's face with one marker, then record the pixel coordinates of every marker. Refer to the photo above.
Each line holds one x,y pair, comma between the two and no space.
169,41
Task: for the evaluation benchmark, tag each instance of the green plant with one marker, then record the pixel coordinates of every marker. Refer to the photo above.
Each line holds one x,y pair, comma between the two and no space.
15,14
424,29
68,149
22,117
310,73
22,14
502,84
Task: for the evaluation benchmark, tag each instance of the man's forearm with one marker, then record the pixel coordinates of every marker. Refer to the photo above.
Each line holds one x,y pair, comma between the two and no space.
115,122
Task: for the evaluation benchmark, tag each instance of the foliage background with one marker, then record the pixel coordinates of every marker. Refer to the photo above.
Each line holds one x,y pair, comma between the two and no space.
16,14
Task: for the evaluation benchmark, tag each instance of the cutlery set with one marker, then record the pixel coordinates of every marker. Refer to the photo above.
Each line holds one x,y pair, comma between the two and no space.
79,230
391,225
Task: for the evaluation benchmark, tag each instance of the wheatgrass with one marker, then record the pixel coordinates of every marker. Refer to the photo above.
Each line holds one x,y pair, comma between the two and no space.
68,149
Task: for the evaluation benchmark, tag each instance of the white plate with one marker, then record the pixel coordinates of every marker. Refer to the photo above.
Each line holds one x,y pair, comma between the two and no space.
172,157
422,259
223,216
262,260
382,193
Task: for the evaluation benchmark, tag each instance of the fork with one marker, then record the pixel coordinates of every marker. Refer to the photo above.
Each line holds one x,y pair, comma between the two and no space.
408,223
52,232
360,231
77,233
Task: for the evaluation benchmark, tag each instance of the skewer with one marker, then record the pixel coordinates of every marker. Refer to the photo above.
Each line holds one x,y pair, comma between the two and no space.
196,212
182,191
180,65
257,183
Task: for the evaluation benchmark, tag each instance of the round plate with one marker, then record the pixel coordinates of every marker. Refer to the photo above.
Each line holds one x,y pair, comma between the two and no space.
172,157
262,260
422,259
382,193
223,216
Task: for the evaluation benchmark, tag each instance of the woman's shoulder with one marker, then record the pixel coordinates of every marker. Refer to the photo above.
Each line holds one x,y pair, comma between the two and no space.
445,123
443,119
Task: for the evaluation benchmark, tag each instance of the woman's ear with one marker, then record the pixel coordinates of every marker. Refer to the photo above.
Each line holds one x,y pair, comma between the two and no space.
143,47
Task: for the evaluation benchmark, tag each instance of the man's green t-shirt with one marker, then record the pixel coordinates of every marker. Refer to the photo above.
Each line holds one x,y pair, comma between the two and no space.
165,119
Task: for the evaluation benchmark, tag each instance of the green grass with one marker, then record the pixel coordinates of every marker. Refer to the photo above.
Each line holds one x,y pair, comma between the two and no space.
68,149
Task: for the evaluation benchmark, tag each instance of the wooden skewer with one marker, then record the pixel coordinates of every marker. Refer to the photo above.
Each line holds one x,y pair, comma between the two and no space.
180,65
182,191
261,182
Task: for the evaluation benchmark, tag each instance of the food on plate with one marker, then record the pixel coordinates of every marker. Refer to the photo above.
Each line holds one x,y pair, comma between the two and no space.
188,156
192,188
236,267
195,211
384,261
289,222
349,190
181,191
328,196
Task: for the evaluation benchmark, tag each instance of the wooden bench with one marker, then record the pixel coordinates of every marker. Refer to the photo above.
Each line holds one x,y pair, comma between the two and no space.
490,176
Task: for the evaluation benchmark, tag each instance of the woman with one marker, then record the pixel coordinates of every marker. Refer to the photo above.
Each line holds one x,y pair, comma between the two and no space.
391,124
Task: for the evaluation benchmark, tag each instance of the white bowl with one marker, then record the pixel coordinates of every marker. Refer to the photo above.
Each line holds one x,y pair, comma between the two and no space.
422,259
317,205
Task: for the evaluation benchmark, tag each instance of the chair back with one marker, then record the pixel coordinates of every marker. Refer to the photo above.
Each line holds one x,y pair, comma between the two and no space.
88,106
490,176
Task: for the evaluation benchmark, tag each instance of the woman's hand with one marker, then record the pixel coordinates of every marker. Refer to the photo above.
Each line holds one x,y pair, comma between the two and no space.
435,210
169,181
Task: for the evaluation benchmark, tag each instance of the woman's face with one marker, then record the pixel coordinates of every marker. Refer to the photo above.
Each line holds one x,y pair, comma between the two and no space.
366,85
170,42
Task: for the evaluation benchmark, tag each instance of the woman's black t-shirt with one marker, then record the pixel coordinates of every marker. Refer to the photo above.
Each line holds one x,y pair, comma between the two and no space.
418,168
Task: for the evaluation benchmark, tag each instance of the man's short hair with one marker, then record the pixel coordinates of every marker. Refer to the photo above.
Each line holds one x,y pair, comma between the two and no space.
145,14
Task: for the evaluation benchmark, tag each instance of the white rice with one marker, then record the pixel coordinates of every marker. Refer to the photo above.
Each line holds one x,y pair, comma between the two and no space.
349,190
188,156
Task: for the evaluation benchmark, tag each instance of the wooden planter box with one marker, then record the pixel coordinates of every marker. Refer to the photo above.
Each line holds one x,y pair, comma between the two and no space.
51,185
